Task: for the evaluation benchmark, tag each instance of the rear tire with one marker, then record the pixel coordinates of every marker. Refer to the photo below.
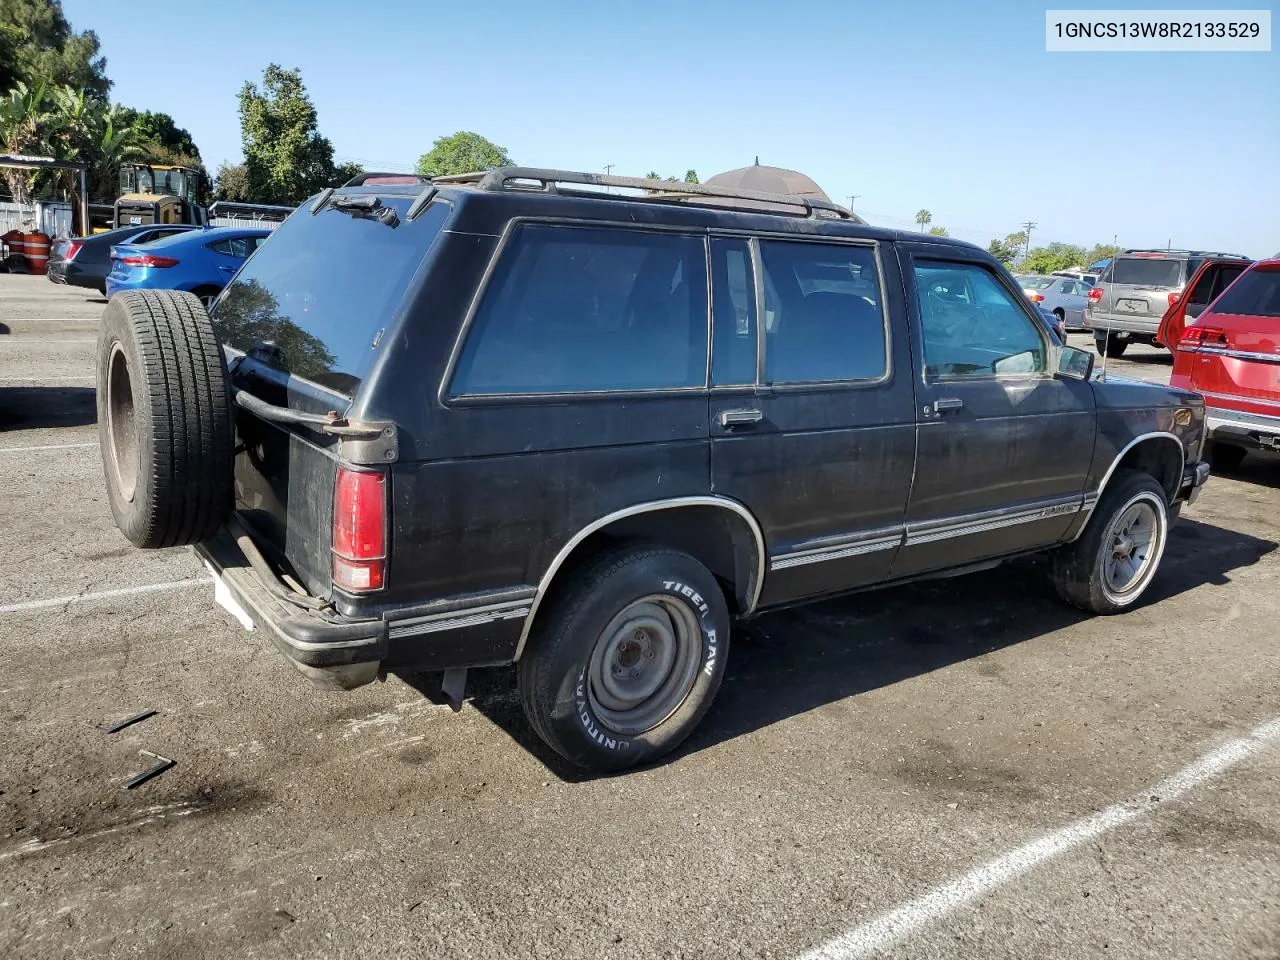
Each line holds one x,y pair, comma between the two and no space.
1117,556
164,429
1225,457
624,662
1111,345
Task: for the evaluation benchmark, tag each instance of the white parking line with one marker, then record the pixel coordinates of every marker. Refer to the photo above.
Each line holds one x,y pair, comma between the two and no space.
44,381
104,595
48,446
149,815
25,340
897,924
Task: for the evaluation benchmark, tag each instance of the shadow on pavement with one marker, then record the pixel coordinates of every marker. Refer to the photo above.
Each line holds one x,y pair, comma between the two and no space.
789,662
30,407
1259,467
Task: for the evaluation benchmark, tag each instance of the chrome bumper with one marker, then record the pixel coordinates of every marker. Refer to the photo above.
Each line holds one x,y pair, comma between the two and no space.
1246,429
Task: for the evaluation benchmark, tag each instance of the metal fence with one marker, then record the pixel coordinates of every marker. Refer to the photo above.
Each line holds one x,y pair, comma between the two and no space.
53,217
243,222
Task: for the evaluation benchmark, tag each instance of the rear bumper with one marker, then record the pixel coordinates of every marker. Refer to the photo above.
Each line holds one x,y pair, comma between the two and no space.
1256,430
330,650
1115,323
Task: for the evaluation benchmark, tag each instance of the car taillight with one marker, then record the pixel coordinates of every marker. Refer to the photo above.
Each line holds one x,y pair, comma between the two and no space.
1174,298
71,251
359,530
1095,294
1194,337
148,260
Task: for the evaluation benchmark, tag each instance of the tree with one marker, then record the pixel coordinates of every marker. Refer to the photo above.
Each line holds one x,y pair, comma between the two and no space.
285,157
938,232
462,152
1100,251
158,133
24,127
231,183
923,218
691,176
38,47
1055,256
345,171
1008,249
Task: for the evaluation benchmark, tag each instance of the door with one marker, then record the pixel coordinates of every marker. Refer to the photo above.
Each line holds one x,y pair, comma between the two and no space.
1004,447
1203,288
1074,296
812,406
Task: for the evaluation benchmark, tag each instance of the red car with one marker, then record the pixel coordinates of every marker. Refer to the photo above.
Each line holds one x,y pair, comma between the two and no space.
1230,353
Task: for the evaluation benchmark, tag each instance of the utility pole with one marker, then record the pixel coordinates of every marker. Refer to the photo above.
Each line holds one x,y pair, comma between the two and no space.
1028,227
608,169
853,197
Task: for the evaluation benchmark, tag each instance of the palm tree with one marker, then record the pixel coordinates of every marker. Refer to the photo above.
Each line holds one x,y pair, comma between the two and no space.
88,130
924,218
24,122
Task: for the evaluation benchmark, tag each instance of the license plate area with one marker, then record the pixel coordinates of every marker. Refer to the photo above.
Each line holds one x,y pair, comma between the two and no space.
1131,306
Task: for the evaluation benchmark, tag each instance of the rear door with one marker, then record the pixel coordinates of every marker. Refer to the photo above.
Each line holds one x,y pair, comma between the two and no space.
1074,294
812,406
1003,446
1205,286
1141,285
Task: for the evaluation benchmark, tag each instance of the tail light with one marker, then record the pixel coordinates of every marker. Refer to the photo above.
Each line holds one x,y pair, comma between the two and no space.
1174,298
1194,337
359,530
72,249
148,260
1036,297
1095,294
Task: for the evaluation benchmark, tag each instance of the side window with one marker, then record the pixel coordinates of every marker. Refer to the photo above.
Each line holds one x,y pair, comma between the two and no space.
972,327
586,309
239,247
1200,293
824,313
733,305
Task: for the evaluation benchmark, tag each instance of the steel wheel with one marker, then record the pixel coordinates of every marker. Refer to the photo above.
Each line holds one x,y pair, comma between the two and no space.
121,427
1132,547
644,664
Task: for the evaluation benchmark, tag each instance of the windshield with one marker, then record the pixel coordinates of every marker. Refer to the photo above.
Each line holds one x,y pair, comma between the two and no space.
1143,272
324,287
1036,282
1255,294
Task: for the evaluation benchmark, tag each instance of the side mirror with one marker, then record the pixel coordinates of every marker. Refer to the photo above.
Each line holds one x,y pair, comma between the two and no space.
1074,363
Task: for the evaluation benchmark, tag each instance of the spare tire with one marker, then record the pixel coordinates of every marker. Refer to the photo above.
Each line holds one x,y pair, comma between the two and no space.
164,429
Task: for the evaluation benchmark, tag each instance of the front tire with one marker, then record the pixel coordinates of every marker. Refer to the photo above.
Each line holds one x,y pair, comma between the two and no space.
625,662
1110,566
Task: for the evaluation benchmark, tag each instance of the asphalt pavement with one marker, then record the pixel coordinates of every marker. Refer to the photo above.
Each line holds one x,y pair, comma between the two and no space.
958,768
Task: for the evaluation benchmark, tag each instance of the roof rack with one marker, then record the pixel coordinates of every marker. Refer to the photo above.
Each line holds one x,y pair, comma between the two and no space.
545,180
1191,253
384,176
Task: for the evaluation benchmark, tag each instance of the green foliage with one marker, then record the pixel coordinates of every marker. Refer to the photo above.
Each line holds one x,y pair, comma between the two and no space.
1055,256
345,171
923,218
1100,251
285,157
159,136
938,232
462,152
691,176
231,183
1009,249
25,127
38,46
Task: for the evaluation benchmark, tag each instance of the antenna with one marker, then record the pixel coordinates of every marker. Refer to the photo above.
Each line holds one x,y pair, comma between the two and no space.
1106,343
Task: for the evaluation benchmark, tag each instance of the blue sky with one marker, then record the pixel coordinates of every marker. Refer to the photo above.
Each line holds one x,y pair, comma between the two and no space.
954,107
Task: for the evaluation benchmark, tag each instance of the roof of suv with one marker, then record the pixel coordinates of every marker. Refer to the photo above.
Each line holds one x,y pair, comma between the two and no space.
1182,254
693,205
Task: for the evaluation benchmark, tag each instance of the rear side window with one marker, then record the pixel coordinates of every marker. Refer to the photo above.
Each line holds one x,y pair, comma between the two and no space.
1142,272
1255,294
325,286
823,311
585,309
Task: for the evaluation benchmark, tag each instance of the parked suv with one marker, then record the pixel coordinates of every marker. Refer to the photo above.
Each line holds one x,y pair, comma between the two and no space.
1136,289
1231,353
508,417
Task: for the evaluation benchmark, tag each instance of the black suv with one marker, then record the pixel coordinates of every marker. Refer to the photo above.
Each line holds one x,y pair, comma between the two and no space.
511,417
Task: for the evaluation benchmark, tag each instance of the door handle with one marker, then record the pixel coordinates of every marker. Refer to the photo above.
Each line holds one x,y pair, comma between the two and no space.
944,404
739,418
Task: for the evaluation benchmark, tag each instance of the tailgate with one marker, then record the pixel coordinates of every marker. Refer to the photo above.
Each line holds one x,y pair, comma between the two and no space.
284,477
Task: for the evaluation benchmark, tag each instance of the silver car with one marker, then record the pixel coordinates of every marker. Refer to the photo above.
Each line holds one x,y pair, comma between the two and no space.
1064,297
1136,289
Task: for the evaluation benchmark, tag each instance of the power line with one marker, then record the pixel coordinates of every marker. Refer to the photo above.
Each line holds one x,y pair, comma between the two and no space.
1028,227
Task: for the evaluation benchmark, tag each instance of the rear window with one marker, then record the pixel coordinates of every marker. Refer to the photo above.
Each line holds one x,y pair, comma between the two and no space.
1037,283
325,287
1143,272
1255,294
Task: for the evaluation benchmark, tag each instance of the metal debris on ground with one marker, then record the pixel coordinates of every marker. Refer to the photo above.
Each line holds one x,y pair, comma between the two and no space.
162,764
127,721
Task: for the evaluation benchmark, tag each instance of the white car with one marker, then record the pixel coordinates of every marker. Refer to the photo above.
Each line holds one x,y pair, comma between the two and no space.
1064,297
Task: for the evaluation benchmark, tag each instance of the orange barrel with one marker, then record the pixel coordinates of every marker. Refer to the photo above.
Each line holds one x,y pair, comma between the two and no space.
38,252
15,242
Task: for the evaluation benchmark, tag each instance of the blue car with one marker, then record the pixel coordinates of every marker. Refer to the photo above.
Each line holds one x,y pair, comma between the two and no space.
201,261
